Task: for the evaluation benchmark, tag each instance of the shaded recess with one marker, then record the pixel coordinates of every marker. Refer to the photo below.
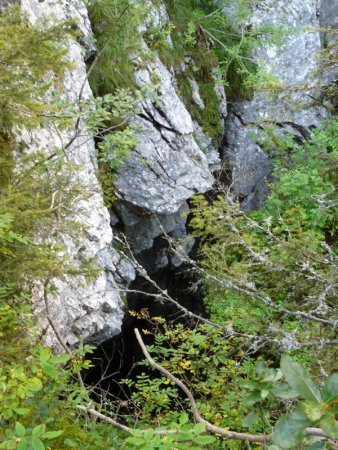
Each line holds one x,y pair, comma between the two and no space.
117,358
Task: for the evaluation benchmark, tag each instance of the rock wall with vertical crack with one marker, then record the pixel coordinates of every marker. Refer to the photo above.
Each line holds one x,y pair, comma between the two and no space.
173,160
80,310
295,107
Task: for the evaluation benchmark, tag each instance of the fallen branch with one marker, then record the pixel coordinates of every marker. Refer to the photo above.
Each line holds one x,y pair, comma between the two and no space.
197,415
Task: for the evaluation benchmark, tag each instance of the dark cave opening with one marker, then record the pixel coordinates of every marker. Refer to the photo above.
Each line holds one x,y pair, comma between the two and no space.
116,359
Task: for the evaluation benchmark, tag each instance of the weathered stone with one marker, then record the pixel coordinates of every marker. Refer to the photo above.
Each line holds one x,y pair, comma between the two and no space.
249,164
208,147
142,227
167,166
126,270
80,310
4,4
328,15
292,108
196,93
328,19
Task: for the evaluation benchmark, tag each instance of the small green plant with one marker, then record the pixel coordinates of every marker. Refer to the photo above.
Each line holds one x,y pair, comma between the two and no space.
202,31
314,407
31,53
22,438
317,408
185,435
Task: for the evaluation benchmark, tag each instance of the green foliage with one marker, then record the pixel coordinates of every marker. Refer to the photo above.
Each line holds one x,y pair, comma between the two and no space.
115,25
201,30
209,117
291,382
315,410
206,363
202,42
279,253
186,436
276,248
22,439
36,394
107,121
23,49
37,198
230,394
306,173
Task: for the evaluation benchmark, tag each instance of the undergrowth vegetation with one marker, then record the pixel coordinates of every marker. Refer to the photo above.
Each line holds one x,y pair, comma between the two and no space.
270,275
38,390
116,28
202,43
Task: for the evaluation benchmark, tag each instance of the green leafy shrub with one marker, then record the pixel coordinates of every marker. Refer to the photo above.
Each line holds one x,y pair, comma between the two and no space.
115,26
29,55
202,31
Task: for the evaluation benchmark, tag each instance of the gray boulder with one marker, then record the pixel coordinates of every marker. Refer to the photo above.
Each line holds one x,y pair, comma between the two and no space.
166,168
293,108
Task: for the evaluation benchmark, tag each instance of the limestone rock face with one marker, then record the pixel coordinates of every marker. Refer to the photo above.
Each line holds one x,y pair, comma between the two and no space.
173,160
89,311
328,16
167,167
292,109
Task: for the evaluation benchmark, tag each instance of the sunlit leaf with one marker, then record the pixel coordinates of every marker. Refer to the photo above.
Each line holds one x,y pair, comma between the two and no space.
330,389
330,425
20,430
199,428
37,444
289,430
250,419
299,379
49,369
283,390
39,430
204,440
52,434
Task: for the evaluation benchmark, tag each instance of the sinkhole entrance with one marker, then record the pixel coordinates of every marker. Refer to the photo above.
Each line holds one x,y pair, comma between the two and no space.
117,358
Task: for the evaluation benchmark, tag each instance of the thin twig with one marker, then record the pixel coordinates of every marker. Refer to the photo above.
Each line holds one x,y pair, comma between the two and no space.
197,415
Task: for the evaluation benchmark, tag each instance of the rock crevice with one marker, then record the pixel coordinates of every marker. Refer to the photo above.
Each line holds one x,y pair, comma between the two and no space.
174,159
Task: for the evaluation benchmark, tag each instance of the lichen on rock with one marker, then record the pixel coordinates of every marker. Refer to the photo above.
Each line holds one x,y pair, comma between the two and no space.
81,310
293,107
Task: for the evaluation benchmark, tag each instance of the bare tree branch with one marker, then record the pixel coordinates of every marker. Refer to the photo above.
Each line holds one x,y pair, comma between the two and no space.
196,413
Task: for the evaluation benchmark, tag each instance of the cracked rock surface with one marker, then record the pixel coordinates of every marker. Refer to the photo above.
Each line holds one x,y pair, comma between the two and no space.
81,310
292,109
167,166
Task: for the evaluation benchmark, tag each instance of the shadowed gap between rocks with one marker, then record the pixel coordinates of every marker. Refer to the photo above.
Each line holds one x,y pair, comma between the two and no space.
116,359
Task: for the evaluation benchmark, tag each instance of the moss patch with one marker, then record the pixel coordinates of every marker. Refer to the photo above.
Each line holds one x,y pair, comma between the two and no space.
115,24
209,118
